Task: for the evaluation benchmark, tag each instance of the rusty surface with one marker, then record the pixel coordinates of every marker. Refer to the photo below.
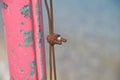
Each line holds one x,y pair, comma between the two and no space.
55,39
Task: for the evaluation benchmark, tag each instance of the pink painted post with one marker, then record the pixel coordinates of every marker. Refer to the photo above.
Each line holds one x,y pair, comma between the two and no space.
24,39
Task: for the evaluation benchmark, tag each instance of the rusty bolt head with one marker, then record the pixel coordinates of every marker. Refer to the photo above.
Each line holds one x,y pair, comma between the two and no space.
55,39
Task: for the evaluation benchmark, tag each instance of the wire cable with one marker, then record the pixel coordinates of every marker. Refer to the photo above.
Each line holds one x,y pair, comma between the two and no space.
51,32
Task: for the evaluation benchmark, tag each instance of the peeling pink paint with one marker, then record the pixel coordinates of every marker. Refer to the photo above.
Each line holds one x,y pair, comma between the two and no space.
22,30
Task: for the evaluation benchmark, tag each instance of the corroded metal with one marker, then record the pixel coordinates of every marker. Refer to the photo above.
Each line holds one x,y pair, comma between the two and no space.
55,39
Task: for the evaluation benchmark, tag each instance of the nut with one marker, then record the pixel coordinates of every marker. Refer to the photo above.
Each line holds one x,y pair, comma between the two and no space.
55,39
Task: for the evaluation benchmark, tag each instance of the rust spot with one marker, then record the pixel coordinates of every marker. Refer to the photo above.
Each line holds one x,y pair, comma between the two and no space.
55,39
28,37
33,67
22,23
4,5
21,70
26,11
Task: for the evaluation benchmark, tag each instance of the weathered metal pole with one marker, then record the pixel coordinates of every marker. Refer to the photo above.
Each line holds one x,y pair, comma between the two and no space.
23,23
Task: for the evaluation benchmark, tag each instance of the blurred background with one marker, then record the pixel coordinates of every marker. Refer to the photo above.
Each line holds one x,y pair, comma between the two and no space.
92,28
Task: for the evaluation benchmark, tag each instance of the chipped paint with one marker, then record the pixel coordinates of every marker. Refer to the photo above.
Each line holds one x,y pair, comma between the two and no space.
42,59
33,46
26,79
4,5
12,78
38,21
43,78
33,68
40,39
19,45
40,36
26,11
22,23
13,52
28,37
25,57
21,70
38,14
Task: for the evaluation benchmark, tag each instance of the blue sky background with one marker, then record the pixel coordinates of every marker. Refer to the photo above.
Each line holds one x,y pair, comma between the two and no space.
92,28
92,20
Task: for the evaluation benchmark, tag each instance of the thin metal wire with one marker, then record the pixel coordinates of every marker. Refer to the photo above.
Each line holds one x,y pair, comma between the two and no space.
54,64
51,32
49,23
50,61
51,9
48,13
